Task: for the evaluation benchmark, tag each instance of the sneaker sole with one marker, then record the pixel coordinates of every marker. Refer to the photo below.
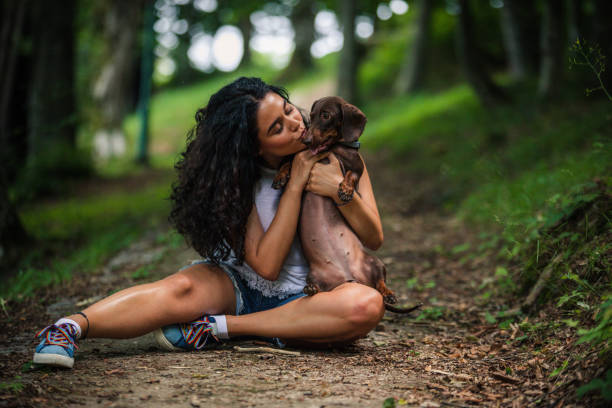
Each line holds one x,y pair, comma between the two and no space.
53,360
163,342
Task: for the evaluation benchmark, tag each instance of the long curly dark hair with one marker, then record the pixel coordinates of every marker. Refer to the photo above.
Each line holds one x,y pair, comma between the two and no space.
217,173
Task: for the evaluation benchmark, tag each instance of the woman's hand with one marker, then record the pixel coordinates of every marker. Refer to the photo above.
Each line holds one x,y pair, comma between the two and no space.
301,167
325,178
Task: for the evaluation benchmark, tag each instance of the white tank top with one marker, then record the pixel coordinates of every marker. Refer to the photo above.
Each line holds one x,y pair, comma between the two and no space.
292,278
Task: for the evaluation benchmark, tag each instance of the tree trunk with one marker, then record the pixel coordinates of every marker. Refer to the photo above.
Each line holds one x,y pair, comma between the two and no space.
245,28
471,61
552,45
511,34
10,39
519,24
52,118
114,86
347,73
302,18
576,20
412,72
12,234
602,34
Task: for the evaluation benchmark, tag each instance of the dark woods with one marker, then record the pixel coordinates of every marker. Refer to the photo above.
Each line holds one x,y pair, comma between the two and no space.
69,67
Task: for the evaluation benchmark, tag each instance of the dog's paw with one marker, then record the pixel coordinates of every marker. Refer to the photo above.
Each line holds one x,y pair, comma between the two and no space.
389,298
311,289
345,192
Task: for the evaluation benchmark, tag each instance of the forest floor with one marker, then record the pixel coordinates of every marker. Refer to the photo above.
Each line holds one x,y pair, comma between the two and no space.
451,356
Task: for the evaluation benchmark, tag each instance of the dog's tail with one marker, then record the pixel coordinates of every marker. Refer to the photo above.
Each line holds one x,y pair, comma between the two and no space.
402,310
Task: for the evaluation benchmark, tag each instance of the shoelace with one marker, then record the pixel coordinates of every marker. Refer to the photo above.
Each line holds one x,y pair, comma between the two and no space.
194,332
61,335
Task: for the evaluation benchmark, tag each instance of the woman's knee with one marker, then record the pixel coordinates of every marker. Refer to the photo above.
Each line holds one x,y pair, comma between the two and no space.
365,308
178,285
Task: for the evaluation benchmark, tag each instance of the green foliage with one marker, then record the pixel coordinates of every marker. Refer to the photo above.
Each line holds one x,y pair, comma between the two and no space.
377,73
590,55
489,318
389,403
602,332
413,284
13,387
460,248
559,369
142,272
499,284
51,173
603,385
431,313
78,234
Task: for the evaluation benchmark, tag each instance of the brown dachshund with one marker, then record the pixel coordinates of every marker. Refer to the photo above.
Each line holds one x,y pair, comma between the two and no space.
334,252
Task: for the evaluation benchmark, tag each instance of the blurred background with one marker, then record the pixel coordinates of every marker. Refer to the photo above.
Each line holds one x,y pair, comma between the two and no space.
497,110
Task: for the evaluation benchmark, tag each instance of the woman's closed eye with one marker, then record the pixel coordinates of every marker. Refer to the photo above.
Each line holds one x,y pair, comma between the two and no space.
280,124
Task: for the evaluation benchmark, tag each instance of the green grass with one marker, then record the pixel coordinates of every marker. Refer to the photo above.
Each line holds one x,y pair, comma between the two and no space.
78,217
499,166
77,235
535,179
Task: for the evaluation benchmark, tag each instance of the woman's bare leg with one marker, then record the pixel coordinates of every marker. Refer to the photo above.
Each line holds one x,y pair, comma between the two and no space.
348,312
181,297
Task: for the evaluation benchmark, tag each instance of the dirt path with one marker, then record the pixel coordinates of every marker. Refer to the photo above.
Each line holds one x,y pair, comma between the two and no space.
451,357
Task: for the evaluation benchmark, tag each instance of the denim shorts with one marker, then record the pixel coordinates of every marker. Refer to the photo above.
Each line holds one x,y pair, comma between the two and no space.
248,300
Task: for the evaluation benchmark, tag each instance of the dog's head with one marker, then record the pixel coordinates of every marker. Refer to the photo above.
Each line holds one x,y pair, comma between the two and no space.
332,119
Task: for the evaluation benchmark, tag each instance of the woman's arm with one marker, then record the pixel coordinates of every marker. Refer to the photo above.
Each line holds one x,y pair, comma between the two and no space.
266,251
361,212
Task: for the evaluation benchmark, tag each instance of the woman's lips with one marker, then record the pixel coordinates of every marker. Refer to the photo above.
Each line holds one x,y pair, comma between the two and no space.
302,137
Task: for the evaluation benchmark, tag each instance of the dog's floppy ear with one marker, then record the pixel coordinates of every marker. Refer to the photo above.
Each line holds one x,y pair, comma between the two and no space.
353,122
312,108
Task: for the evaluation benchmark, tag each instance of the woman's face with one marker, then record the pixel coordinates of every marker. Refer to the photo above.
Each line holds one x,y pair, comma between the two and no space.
281,129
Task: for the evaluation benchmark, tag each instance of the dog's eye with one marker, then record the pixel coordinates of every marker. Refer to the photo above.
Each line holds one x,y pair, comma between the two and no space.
325,115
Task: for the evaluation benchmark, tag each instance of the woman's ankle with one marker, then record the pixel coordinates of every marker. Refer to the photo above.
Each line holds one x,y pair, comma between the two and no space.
82,324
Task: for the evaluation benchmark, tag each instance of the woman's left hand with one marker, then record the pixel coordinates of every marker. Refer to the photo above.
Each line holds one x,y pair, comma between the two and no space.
325,178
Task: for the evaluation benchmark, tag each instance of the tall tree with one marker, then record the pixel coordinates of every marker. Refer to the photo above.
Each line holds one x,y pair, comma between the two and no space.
519,23
577,20
12,233
602,36
52,118
115,84
302,19
347,73
11,34
13,236
553,44
412,72
244,24
471,60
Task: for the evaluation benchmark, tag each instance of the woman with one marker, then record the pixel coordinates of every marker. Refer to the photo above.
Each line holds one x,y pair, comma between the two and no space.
251,280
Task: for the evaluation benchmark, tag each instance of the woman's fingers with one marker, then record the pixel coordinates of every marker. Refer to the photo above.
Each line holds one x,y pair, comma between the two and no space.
322,155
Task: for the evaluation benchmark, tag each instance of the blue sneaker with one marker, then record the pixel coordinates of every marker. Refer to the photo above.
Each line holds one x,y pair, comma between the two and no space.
57,346
196,335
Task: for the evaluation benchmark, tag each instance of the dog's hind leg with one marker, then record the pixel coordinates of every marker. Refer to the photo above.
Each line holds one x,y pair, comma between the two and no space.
387,294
